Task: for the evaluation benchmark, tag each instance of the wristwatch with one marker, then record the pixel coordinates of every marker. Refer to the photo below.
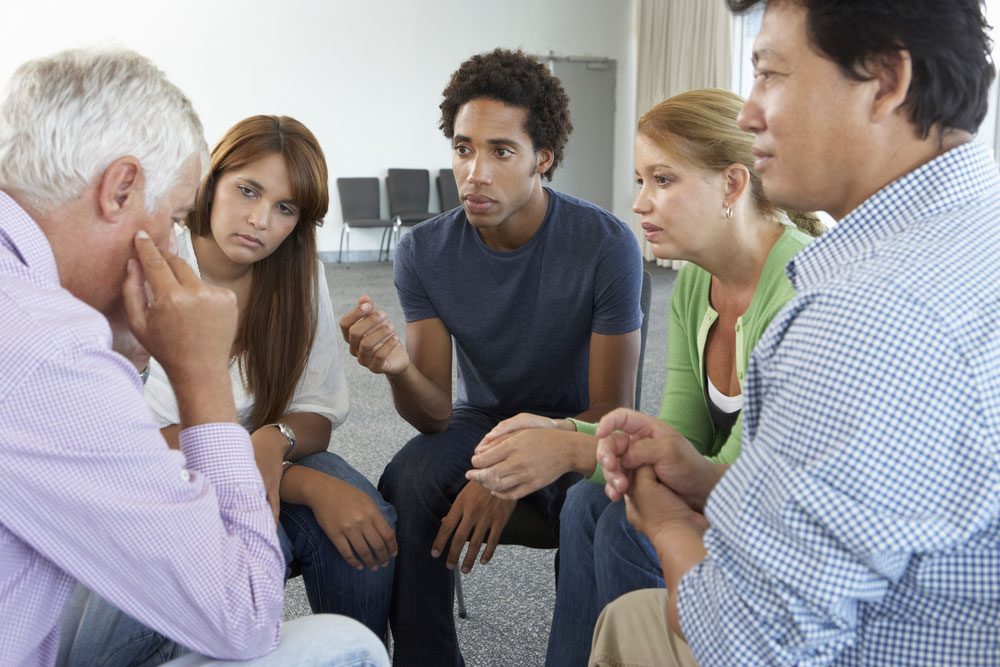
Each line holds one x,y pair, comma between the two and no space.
289,434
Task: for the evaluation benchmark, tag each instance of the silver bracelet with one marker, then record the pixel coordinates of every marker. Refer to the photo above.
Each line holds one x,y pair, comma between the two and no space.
289,434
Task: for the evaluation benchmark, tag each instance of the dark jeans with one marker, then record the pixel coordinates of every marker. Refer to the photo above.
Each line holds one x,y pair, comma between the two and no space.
421,482
333,586
110,637
602,558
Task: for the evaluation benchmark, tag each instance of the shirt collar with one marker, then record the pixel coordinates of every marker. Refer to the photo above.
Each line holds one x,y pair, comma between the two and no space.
22,236
950,180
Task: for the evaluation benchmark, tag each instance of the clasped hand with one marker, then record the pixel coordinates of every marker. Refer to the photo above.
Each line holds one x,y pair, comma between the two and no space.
521,455
629,440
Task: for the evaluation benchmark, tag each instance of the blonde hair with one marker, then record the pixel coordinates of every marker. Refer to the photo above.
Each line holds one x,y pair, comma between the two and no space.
700,126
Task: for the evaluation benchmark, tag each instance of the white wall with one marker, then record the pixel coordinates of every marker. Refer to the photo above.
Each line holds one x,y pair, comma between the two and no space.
989,132
366,77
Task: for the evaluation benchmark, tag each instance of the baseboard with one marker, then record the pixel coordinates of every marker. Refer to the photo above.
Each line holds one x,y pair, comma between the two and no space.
330,256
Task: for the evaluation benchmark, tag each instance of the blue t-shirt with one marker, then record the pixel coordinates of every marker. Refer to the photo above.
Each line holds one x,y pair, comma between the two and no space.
522,320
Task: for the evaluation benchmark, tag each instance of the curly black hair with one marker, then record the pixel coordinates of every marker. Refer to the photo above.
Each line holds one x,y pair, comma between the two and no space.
518,80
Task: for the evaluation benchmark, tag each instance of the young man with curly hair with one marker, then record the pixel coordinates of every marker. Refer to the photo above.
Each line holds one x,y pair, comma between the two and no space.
540,293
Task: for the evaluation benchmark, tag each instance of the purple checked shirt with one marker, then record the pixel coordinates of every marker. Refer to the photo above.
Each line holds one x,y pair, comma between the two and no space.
183,541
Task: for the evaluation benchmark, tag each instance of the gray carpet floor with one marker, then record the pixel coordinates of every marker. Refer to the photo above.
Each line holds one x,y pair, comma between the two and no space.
510,600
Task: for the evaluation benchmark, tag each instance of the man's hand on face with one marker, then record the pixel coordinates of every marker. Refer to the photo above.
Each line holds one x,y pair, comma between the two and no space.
476,515
187,325
372,339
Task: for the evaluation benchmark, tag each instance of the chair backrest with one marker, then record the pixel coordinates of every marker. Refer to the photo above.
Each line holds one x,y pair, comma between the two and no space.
409,191
359,198
645,299
447,190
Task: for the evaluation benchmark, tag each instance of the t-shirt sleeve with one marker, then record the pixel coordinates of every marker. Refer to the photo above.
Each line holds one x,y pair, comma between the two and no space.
412,295
323,388
618,284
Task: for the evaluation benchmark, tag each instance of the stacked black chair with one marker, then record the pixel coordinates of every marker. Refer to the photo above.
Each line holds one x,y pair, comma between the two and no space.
447,190
360,203
409,197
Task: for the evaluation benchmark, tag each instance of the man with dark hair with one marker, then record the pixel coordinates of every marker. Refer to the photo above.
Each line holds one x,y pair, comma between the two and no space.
540,293
861,526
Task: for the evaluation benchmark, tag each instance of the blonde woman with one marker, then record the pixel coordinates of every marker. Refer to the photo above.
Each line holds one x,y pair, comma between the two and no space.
700,200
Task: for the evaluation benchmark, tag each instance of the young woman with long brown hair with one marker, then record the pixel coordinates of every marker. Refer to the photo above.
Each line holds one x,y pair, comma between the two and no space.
253,230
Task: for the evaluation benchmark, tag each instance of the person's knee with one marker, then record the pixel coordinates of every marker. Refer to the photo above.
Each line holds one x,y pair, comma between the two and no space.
610,536
578,520
401,474
633,630
323,639
422,463
585,502
319,639
613,521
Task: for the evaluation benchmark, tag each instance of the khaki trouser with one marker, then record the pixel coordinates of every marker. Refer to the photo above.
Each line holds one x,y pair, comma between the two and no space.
632,632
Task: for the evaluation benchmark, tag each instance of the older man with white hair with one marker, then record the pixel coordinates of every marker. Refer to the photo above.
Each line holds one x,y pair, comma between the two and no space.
99,153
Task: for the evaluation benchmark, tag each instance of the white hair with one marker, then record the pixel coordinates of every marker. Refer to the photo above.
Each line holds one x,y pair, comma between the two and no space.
67,117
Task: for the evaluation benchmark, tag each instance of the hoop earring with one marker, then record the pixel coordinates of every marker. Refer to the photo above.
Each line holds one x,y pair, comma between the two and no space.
729,213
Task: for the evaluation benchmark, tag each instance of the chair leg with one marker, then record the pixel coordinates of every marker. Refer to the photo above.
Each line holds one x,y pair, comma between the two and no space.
383,245
458,594
395,232
346,229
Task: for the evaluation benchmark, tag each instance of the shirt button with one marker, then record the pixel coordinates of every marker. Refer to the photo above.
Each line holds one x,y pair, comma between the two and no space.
739,375
185,476
737,326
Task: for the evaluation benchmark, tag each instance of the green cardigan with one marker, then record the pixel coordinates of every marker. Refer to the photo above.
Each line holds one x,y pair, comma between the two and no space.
685,405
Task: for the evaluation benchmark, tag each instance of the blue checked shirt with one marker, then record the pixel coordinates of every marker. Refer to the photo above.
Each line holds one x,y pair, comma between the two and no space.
861,526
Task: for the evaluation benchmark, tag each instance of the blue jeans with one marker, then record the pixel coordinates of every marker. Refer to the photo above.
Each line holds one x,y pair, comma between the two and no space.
421,482
108,636
310,641
333,586
601,558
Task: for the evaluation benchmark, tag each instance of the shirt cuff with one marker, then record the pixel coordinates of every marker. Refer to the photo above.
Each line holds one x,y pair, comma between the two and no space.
220,451
697,613
583,427
597,477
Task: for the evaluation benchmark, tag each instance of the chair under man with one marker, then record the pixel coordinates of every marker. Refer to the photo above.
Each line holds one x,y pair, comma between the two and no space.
527,526
360,207
409,198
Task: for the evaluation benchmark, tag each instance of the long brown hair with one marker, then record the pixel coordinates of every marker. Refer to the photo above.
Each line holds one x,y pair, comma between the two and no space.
700,126
278,325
